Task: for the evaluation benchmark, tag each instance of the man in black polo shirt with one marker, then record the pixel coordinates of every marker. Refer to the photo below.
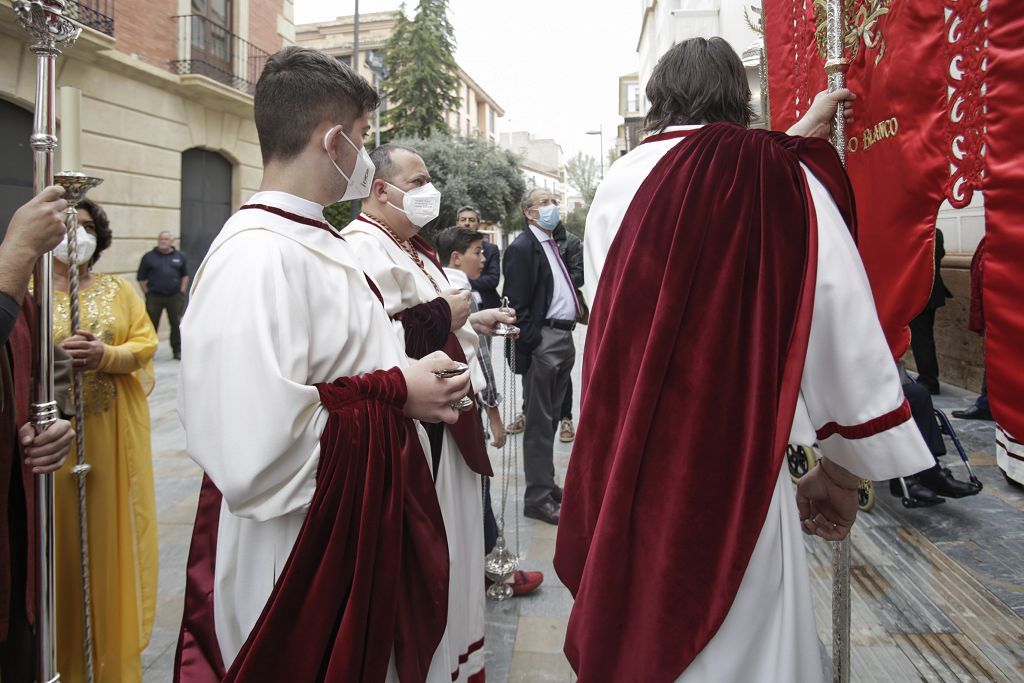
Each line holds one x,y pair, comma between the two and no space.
164,278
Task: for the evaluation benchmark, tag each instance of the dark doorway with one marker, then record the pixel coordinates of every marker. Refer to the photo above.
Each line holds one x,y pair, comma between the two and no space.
205,202
16,170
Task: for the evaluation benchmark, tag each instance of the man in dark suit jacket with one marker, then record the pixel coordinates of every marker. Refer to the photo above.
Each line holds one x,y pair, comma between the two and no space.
922,328
487,284
539,288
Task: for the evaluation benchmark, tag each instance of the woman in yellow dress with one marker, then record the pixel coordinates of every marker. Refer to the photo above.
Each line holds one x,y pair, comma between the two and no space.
112,354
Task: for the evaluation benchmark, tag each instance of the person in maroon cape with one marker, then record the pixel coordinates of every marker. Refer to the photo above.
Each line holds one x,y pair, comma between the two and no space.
36,228
732,315
430,314
319,551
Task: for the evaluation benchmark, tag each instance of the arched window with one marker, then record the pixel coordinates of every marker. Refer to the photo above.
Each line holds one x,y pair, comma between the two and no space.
205,202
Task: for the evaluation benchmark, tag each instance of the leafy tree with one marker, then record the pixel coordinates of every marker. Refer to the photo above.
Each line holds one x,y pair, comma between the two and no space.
576,222
422,82
340,214
581,172
470,171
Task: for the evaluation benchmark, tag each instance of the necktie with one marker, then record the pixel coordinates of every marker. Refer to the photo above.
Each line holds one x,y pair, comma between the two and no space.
568,280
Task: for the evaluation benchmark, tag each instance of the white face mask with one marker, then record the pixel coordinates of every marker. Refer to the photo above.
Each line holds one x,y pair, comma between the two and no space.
86,248
362,173
422,204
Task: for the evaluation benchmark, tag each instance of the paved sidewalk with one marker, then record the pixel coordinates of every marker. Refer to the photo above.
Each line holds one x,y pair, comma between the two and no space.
938,592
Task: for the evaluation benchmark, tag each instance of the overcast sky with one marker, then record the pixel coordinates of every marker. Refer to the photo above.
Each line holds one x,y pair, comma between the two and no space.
553,65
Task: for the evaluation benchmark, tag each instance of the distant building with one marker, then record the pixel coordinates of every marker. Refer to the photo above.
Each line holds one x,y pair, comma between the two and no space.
631,108
665,24
477,114
540,161
158,96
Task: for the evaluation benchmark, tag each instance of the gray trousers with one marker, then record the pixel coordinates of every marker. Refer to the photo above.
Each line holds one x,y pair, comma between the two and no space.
544,387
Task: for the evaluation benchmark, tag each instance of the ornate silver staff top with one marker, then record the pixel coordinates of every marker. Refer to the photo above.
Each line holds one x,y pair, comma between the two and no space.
46,23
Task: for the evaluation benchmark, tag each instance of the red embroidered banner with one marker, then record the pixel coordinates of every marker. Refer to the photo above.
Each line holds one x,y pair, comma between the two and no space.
895,155
1004,216
939,98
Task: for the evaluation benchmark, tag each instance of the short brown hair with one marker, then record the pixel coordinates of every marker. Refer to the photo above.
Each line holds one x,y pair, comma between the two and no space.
384,166
456,239
698,81
298,90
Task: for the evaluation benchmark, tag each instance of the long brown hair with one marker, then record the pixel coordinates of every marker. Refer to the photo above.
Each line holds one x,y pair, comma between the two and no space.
698,81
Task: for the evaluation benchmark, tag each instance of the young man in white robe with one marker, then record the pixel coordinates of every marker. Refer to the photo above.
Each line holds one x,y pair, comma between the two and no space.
319,550
430,314
731,315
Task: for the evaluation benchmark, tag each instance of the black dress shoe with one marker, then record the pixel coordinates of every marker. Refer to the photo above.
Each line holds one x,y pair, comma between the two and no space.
973,413
919,494
546,512
556,494
941,481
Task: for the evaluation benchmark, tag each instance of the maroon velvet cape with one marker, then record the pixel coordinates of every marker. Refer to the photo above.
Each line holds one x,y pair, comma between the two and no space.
691,373
427,328
17,390
369,569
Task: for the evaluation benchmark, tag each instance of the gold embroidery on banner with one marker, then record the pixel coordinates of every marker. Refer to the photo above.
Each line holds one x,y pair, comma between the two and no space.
889,128
96,315
863,18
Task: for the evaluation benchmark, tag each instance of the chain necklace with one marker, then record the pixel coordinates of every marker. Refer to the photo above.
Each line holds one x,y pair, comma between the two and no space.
404,245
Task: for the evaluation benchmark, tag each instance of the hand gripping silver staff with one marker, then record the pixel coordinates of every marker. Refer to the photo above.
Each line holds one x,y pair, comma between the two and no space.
836,65
75,186
49,30
501,563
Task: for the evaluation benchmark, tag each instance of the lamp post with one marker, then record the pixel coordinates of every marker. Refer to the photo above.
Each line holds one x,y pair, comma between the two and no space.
600,157
375,62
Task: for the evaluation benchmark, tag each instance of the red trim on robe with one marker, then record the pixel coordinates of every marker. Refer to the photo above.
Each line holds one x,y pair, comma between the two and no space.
646,493
863,430
464,657
1007,451
670,135
296,218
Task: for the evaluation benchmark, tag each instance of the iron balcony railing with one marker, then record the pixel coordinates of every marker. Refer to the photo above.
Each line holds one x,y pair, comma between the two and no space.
96,14
206,48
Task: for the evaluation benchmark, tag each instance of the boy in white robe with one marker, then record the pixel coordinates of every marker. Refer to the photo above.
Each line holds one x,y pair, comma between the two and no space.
294,389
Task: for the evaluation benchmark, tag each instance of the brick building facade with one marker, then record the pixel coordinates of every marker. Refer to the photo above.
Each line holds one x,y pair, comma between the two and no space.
166,115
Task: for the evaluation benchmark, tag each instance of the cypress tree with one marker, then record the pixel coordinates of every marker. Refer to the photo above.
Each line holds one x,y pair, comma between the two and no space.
422,83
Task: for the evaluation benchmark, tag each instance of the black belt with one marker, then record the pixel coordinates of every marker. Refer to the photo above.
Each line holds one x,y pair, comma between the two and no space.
567,325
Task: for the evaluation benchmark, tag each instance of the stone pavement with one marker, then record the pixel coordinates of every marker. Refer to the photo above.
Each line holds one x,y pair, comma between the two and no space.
938,593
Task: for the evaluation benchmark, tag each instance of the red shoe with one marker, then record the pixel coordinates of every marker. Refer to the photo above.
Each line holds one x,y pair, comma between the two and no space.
524,583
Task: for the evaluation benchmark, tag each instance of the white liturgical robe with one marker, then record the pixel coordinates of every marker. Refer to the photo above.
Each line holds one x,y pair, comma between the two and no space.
276,307
849,378
403,284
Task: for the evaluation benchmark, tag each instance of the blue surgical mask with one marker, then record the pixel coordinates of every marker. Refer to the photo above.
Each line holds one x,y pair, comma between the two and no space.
547,216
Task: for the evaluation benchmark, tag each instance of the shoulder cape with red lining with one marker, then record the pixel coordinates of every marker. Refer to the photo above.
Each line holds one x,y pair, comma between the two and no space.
699,374
368,573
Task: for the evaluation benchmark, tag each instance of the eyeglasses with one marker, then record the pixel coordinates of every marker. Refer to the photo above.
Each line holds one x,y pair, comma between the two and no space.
546,202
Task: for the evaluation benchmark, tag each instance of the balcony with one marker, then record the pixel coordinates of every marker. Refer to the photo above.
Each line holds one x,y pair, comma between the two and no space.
208,49
96,14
